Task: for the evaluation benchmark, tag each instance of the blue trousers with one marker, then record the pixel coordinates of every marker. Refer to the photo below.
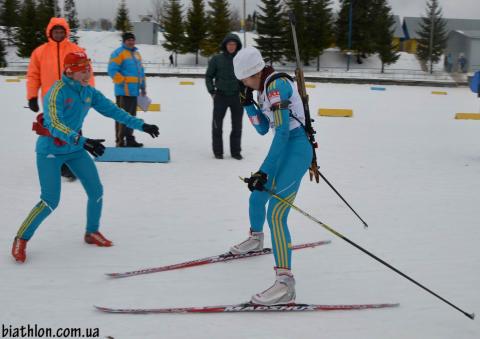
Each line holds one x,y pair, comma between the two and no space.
286,182
49,173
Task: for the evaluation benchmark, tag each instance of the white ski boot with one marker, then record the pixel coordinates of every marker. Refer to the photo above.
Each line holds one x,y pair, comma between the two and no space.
282,292
254,243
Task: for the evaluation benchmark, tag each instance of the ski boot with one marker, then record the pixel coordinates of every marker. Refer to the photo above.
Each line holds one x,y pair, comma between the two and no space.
18,250
254,243
282,292
97,238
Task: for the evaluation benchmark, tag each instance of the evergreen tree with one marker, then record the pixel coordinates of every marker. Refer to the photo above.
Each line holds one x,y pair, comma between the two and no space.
28,36
195,28
3,61
72,19
9,19
122,22
218,26
362,28
173,26
270,31
319,27
298,8
433,35
46,10
384,26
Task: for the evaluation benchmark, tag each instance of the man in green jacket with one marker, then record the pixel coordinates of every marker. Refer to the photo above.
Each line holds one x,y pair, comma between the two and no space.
225,89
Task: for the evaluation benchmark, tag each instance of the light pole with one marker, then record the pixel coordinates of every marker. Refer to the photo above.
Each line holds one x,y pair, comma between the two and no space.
350,19
430,46
244,26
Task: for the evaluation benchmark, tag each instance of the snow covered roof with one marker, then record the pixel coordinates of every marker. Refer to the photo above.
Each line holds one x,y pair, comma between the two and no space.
471,34
412,24
398,33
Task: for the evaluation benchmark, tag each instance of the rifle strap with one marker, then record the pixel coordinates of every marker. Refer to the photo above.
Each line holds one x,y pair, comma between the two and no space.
287,103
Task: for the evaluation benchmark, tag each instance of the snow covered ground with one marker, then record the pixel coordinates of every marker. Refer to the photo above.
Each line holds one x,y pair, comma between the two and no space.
402,161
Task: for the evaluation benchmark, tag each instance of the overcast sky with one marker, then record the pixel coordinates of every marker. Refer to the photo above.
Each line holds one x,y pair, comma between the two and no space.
95,9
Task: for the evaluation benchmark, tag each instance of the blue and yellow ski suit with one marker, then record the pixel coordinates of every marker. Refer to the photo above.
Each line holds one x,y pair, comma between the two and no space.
126,69
287,161
66,106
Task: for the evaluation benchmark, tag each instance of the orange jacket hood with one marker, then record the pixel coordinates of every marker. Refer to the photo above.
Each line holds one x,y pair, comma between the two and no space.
57,22
46,61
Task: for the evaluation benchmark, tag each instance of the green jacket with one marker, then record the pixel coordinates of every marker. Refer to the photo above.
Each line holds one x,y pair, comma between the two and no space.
220,77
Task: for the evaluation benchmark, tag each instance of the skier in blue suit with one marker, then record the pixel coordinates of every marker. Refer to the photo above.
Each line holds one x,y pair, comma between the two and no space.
66,106
287,161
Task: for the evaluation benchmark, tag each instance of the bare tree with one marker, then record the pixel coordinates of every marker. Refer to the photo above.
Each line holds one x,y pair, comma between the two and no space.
89,23
157,10
105,24
235,20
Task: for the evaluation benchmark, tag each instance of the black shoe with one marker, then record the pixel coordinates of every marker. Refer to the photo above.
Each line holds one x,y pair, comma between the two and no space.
237,156
67,173
133,143
218,156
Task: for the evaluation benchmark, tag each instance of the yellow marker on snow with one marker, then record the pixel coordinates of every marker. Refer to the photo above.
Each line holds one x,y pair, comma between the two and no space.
187,83
151,108
439,93
467,116
310,85
12,80
335,112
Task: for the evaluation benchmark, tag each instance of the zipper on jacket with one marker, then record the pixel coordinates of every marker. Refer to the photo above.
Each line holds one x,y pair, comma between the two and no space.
58,60
138,68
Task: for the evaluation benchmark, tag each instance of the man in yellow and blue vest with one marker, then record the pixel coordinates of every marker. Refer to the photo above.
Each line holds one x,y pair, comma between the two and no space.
126,70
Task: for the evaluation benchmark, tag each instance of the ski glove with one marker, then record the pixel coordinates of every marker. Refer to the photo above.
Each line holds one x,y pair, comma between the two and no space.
151,129
94,146
257,181
33,104
246,97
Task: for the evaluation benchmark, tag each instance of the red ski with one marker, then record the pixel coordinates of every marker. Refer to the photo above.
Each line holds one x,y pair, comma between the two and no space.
210,260
247,307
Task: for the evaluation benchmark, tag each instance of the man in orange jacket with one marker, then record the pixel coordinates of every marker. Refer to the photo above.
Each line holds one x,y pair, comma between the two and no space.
46,66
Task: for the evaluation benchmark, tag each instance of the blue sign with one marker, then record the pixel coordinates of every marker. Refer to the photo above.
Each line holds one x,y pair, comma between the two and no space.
475,82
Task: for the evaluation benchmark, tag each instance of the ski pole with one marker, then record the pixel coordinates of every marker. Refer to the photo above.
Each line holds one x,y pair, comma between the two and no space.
331,230
333,188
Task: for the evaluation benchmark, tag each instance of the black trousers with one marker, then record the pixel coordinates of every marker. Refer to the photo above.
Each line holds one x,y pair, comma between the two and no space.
122,132
220,105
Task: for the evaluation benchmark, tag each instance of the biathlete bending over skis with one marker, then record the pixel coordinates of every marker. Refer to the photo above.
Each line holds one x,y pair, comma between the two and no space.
287,161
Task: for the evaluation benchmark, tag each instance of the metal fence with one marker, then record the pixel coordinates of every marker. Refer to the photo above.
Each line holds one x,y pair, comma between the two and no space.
324,73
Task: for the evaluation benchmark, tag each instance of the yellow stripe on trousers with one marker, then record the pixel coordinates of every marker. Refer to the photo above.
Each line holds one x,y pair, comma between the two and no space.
279,232
290,199
33,214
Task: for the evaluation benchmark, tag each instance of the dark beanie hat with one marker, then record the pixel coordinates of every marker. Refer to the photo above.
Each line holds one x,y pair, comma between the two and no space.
127,35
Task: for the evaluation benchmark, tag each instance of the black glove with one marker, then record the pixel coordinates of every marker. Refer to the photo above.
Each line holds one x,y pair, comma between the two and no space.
95,146
246,97
257,181
151,129
33,104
